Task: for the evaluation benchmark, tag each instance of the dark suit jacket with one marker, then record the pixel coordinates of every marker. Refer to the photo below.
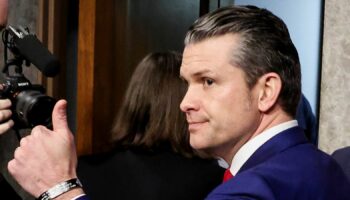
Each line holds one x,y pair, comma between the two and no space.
287,167
139,175
6,191
342,156
307,120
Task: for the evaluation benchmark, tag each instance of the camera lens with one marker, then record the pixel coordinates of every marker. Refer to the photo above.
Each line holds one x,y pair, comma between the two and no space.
34,108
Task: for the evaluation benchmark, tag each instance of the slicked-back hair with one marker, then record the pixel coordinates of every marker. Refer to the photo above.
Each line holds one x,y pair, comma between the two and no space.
150,115
264,46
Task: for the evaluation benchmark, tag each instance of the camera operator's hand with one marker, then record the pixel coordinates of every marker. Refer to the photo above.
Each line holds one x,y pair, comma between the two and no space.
3,13
5,114
46,158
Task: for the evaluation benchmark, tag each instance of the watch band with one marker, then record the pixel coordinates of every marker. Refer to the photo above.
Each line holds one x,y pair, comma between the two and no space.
59,189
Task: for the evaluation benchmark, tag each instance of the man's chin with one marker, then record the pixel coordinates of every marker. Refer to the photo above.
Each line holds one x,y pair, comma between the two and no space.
198,145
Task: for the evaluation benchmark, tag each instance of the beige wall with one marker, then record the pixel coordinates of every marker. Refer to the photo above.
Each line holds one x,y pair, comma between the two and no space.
334,129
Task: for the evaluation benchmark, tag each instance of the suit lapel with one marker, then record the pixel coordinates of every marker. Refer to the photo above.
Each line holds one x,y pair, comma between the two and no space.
278,143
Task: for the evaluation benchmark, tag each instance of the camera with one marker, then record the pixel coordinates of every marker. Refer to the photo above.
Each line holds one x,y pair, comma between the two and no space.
30,105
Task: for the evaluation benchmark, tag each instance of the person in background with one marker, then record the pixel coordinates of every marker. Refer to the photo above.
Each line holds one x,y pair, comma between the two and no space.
342,156
6,122
243,76
152,158
5,104
307,120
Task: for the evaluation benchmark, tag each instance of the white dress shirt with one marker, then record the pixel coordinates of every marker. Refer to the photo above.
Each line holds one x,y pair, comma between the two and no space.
247,150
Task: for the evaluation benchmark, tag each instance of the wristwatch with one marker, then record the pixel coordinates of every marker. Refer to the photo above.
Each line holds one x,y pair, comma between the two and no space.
59,189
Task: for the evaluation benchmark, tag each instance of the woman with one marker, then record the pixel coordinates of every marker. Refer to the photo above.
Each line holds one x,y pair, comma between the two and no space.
152,158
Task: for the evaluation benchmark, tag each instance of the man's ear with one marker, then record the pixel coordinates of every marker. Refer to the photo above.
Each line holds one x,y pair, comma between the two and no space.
270,85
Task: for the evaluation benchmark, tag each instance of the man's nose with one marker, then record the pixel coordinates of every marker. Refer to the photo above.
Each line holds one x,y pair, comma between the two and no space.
189,101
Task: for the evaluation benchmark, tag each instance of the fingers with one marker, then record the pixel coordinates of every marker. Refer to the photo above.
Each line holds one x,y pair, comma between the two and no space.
15,168
6,126
3,12
19,158
5,103
43,159
5,114
29,162
12,166
5,111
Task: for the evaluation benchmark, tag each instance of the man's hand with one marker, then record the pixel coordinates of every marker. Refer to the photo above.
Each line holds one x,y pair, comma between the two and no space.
5,114
3,12
45,158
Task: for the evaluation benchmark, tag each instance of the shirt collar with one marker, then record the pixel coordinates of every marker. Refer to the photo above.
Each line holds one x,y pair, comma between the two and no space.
247,150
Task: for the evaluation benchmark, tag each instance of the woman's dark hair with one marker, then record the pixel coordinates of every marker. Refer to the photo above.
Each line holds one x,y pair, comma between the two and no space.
150,116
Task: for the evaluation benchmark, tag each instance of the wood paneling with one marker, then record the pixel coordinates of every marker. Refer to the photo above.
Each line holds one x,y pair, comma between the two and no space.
85,71
96,61
52,31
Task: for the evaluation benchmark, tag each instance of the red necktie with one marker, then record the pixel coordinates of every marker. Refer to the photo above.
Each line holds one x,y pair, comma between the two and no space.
227,175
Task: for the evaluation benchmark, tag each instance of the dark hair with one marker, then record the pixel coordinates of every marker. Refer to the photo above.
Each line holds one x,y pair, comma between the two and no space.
150,115
265,46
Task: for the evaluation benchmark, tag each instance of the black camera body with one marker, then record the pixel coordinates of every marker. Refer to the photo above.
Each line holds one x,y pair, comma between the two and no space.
30,105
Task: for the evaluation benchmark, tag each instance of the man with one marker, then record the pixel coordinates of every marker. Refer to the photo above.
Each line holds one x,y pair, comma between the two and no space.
5,104
5,122
243,77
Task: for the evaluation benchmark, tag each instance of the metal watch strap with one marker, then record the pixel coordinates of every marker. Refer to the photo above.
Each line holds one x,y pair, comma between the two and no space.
59,189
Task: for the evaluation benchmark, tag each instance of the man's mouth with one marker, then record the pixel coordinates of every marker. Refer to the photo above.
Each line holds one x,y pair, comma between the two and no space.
195,126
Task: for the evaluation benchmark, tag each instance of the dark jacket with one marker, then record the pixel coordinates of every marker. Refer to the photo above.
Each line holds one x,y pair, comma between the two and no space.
342,156
148,175
287,167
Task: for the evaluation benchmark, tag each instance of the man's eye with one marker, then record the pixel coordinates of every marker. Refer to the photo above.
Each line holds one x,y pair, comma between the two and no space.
208,81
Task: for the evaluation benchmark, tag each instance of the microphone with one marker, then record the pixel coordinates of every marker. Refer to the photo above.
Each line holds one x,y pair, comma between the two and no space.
34,51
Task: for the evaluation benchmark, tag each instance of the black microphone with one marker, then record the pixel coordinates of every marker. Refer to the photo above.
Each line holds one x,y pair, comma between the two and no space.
34,51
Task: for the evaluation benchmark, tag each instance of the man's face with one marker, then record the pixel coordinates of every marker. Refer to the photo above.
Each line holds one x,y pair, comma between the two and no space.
221,111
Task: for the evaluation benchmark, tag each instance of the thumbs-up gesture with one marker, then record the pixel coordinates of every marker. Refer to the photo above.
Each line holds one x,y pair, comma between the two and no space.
45,157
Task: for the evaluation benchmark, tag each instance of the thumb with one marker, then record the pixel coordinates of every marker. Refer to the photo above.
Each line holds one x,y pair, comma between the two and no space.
59,116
